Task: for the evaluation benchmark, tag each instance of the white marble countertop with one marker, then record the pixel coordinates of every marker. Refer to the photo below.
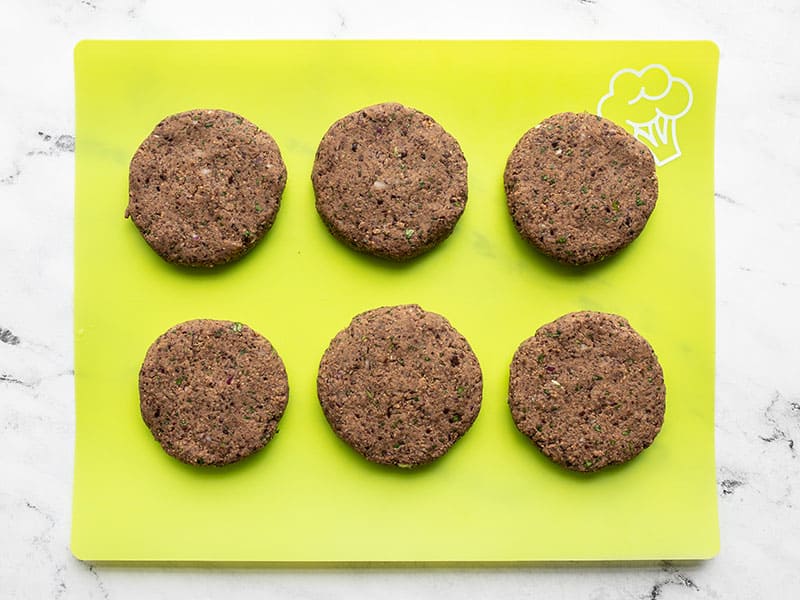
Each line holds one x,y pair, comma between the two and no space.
758,283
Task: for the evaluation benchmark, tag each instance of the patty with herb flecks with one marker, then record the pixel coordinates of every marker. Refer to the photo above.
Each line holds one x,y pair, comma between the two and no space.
205,187
580,188
588,390
212,392
389,181
400,385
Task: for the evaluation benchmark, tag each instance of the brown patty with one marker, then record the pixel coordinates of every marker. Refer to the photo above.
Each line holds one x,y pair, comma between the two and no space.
587,390
212,392
400,385
389,181
205,186
579,187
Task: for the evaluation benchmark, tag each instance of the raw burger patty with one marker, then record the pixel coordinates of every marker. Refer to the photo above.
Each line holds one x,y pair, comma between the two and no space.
212,392
587,390
205,186
400,385
389,181
579,187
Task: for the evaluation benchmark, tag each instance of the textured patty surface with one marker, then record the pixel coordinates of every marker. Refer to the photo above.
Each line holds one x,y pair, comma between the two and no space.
389,181
580,188
400,385
205,186
212,392
588,390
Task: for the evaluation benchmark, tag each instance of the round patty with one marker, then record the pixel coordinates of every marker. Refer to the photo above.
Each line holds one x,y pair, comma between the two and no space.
212,392
587,390
389,181
400,385
579,187
205,186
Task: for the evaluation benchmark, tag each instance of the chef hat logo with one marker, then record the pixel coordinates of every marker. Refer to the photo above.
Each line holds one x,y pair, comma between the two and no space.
649,102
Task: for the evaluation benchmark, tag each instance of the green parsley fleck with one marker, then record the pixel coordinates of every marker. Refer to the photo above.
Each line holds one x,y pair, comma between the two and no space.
561,240
584,189
237,327
409,233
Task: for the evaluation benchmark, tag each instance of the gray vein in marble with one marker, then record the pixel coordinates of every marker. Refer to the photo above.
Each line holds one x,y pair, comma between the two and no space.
729,482
42,543
673,577
727,487
56,144
33,383
731,201
134,11
13,177
51,522
7,337
48,145
779,415
591,12
101,586
8,378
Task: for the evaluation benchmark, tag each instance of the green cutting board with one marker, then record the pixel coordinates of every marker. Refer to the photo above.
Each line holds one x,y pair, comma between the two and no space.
307,496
